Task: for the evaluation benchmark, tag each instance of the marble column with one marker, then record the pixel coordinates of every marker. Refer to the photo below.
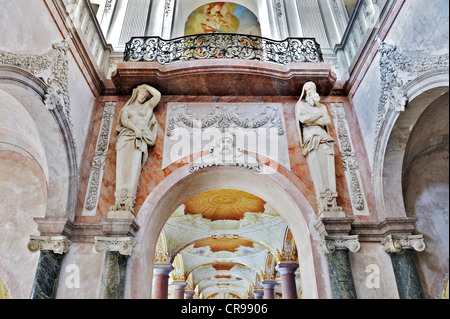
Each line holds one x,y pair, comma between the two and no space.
52,250
341,277
161,281
258,293
117,250
178,288
269,289
401,249
288,286
189,294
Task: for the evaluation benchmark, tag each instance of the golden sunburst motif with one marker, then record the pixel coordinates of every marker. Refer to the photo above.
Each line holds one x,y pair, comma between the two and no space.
224,204
223,244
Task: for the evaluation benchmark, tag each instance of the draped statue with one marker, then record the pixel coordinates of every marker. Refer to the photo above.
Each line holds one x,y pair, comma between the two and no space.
318,147
137,127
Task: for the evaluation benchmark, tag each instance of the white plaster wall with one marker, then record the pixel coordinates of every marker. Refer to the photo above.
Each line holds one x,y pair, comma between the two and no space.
373,273
27,27
81,273
420,29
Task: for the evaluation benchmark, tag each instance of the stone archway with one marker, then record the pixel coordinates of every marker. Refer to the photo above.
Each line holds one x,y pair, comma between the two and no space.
278,190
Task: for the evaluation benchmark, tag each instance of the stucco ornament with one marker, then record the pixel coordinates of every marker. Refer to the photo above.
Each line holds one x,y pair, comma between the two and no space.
318,147
137,127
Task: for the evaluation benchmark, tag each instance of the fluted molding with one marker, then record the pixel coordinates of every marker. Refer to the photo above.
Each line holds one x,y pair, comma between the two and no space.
57,244
395,243
123,245
331,244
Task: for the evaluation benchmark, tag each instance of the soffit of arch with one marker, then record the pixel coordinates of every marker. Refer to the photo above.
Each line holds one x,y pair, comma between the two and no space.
226,272
266,229
253,260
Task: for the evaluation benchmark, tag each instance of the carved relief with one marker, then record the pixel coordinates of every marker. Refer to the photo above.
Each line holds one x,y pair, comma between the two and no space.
331,244
57,244
395,244
99,160
397,70
53,68
348,156
123,245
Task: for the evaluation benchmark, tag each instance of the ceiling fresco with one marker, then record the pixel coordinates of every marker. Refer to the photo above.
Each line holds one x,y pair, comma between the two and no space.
224,243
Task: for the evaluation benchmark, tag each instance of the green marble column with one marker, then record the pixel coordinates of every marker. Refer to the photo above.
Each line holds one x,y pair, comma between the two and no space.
342,285
113,278
47,275
407,275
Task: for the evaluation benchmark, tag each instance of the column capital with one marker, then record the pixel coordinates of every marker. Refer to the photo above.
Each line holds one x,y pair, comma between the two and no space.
123,245
57,244
179,284
258,293
397,243
189,294
162,269
287,268
330,243
269,284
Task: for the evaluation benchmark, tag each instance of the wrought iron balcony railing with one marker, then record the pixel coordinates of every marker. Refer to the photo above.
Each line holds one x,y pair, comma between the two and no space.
222,46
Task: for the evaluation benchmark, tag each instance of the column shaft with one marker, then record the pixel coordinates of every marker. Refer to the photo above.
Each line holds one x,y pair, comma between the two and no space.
342,285
269,289
288,286
161,281
47,275
113,278
407,275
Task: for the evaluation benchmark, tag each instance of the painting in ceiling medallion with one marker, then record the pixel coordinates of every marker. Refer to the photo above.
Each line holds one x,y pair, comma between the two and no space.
223,244
222,17
224,204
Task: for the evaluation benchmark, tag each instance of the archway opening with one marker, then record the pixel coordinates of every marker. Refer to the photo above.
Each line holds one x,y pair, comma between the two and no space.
282,193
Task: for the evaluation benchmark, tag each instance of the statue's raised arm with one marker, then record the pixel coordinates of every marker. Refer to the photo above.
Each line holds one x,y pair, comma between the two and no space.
138,128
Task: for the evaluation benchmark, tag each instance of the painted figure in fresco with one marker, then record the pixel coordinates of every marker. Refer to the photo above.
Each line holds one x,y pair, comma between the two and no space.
137,127
222,17
318,146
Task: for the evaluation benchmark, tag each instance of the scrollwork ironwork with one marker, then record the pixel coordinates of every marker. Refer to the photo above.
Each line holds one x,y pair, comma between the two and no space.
222,46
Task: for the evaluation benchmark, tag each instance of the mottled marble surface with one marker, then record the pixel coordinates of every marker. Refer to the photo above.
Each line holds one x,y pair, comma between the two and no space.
342,285
406,275
47,275
113,279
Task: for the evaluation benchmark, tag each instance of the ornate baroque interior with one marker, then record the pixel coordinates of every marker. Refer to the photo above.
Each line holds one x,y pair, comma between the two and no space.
252,149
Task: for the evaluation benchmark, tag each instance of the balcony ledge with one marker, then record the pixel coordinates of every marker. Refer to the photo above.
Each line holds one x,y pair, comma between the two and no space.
224,77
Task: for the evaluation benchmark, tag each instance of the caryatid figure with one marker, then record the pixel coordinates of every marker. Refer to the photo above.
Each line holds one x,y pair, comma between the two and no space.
137,127
318,147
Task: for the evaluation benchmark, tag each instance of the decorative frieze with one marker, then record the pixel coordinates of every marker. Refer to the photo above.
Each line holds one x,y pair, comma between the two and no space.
123,245
331,244
397,70
397,243
349,160
53,68
99,160
57,244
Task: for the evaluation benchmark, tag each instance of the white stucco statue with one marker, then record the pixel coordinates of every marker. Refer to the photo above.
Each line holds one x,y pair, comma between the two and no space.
318,147
137,127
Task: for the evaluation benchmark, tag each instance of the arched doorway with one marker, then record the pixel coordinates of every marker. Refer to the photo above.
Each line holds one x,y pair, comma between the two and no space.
283,193
411,172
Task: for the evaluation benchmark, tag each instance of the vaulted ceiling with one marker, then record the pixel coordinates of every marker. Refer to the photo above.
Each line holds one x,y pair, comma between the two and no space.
224,243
